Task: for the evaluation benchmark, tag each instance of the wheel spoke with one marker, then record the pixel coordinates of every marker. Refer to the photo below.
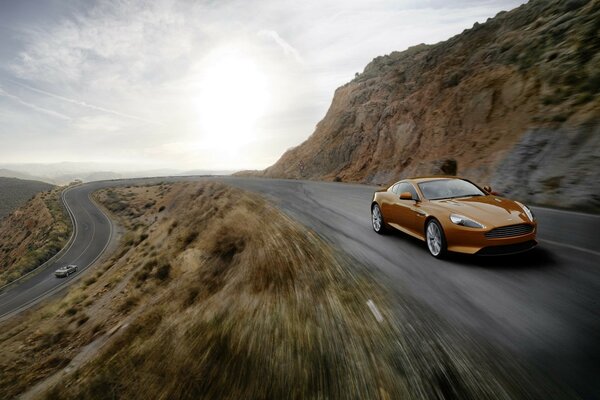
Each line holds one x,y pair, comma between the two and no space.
434,239
376,218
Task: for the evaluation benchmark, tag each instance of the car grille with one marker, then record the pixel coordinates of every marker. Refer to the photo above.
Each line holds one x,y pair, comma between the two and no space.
509,231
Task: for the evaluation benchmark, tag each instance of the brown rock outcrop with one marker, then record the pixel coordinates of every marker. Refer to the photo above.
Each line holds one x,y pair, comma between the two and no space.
476,98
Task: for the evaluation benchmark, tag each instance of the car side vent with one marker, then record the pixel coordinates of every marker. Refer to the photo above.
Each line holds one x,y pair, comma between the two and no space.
509,231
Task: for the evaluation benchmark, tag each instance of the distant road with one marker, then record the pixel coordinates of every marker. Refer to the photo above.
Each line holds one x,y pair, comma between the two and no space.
543,305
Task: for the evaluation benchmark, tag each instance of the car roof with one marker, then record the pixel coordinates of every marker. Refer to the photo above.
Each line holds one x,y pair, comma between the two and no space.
428,178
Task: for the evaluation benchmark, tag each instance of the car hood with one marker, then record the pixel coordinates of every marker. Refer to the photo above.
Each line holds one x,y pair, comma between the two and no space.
492,211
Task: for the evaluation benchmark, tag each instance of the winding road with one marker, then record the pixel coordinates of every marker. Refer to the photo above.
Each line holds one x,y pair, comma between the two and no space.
543,305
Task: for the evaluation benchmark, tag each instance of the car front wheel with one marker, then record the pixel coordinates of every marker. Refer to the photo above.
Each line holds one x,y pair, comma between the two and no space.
377,219
436,241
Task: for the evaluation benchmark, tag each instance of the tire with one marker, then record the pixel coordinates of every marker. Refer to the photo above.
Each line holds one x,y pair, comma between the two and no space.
435,239
377,221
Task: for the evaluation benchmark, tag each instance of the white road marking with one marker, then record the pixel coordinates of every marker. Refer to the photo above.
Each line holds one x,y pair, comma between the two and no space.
375,310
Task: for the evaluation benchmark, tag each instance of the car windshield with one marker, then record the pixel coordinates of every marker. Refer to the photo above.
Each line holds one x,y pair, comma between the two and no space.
449,189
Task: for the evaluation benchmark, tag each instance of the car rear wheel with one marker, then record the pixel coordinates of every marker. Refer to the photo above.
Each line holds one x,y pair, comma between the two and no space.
377,219
436,241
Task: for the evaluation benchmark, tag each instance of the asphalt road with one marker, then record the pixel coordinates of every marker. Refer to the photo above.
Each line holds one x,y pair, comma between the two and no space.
543,305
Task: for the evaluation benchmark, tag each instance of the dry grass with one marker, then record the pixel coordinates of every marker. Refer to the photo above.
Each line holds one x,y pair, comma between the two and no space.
228,298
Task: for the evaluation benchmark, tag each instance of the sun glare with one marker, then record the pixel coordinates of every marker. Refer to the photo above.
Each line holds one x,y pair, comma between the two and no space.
233,97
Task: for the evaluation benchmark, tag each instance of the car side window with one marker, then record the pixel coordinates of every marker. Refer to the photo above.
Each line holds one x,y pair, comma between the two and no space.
407,187
412,191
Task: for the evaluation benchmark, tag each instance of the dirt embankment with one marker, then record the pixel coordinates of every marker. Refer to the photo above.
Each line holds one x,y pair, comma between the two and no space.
216,294
32,234
16,192
513,102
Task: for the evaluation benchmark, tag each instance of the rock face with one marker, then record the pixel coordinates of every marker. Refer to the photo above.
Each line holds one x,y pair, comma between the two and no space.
513,102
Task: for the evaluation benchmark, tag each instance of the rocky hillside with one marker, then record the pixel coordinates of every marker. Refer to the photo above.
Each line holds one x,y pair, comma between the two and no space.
32,234
512,102
15,192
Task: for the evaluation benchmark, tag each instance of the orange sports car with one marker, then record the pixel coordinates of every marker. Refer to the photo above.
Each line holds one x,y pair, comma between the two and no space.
453,214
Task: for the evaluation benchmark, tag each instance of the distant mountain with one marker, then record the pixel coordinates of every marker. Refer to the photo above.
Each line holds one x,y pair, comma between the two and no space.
513,102
16,192
8,173
65,172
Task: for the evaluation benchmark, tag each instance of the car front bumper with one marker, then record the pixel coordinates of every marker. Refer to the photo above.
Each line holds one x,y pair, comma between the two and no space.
473,241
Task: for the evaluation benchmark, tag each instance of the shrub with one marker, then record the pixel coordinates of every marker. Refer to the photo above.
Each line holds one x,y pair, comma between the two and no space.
189,238
142,237
71,311
163,271
89,281
128,304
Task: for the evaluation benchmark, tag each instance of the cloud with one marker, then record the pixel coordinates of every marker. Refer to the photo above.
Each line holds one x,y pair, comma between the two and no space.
84,104
33,106
287,48
126,42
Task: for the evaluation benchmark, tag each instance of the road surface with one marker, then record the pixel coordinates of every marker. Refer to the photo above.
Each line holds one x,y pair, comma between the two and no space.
543,305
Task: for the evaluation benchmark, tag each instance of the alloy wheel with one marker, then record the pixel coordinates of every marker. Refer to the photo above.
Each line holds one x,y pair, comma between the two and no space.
434,239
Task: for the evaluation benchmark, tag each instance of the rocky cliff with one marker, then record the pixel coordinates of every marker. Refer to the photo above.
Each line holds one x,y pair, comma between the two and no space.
512,102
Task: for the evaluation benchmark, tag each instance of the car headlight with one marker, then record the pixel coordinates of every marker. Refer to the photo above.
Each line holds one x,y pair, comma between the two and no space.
527,211
464,221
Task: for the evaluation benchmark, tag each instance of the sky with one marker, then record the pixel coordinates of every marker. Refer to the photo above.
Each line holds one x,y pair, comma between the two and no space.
214,84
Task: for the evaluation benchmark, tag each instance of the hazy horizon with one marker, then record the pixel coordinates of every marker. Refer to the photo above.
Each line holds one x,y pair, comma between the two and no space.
189,86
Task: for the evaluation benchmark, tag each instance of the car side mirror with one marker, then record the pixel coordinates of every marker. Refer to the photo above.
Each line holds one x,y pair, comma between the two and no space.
406,196
488,188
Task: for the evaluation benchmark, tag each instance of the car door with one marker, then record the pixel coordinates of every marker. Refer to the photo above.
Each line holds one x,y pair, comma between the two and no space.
388,202
406,213
417,221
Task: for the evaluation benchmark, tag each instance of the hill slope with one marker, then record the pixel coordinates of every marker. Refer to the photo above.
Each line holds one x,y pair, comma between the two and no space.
15,192
513,101
32,234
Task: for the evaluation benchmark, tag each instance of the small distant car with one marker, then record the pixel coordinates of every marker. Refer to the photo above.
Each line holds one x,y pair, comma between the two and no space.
453,214
65,271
